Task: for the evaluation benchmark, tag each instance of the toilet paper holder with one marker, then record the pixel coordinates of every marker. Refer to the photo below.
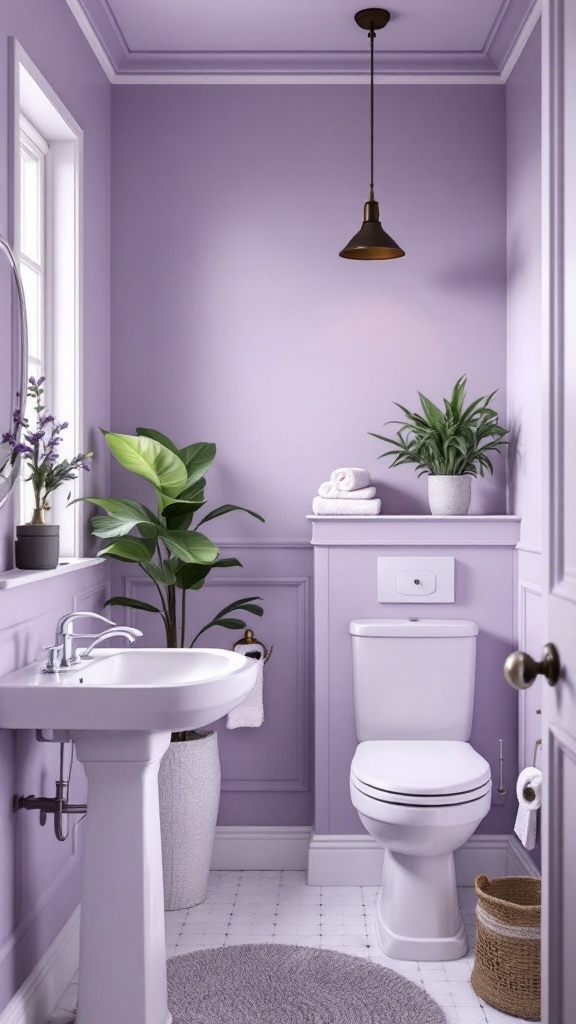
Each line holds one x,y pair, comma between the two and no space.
528,791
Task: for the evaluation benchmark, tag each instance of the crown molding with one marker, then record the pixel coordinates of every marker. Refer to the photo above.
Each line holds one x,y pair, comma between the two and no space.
490,66
93,38
517,45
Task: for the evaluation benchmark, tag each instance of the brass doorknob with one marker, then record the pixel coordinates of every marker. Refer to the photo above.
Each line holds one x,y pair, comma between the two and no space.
521,670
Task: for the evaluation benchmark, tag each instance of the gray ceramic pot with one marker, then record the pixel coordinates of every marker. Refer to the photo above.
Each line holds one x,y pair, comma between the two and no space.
37,547
449,495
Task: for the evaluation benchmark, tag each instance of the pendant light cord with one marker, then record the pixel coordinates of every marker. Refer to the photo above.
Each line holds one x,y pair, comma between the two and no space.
372,36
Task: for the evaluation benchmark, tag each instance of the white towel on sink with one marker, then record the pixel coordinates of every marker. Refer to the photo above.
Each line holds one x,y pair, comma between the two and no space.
250,713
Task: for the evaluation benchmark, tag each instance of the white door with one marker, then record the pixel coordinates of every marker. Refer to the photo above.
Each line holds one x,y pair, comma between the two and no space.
559,492
559,706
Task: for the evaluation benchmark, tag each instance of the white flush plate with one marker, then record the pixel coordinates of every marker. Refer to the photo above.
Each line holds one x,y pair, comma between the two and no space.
416,580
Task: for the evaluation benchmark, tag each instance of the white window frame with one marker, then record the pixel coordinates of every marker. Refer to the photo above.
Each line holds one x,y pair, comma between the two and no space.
30,139
37,108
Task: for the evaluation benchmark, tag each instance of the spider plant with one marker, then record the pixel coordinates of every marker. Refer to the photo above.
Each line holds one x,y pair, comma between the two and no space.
454,441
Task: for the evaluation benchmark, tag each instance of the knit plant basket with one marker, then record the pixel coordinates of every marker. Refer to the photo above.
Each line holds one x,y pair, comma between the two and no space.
506,970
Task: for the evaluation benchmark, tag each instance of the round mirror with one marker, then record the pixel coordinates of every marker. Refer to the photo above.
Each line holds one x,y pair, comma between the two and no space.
10,463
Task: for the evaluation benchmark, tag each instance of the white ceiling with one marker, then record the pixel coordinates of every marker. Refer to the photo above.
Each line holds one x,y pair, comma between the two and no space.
169,38
177,25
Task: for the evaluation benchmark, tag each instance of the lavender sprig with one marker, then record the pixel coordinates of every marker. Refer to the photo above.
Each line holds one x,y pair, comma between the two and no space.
39,448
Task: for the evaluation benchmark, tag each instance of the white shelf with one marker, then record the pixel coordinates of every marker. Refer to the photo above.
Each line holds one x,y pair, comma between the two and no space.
19,577
415,531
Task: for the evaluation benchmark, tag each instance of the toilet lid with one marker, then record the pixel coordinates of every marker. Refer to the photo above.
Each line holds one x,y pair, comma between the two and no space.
420,767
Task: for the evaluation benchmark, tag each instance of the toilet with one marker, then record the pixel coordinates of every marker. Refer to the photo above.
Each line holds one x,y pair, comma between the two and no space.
419,788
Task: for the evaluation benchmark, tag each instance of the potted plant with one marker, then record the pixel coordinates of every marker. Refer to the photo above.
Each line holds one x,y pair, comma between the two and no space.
37,543
451,445
177,558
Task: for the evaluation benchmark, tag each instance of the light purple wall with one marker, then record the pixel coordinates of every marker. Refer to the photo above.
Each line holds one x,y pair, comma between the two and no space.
525,355
233,317
235,321
40,876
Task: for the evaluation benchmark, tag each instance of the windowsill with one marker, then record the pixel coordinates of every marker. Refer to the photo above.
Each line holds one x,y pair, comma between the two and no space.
18,577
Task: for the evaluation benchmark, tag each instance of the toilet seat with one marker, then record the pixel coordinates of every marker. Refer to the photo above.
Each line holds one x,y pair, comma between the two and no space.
420,773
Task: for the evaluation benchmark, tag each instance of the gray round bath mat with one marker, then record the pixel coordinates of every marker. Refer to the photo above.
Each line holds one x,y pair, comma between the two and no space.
274,984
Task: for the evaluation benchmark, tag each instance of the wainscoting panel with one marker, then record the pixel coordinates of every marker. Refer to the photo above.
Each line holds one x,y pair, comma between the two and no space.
266,772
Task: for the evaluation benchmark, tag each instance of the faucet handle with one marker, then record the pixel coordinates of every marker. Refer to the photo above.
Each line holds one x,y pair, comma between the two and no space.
54,655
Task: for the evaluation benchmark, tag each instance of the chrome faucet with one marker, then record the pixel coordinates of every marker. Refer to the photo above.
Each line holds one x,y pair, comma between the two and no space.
109,634
65,636
62,656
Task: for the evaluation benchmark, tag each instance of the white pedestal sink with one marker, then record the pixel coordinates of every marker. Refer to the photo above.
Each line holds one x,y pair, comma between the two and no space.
120,708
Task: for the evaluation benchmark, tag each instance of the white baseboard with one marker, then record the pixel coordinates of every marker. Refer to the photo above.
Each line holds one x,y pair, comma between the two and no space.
260,848
35,1000
344,860
357,859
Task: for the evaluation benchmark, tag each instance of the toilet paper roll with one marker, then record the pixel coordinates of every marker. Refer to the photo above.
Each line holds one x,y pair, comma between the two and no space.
529,789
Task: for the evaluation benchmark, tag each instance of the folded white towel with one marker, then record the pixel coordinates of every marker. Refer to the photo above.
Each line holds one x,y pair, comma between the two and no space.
331,490
350,478
344,507
251,711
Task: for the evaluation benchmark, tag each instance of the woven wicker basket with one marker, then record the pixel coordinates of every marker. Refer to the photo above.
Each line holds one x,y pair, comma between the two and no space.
506,970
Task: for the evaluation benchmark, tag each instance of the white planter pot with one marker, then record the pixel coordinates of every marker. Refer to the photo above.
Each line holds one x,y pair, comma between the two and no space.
189,789
449,495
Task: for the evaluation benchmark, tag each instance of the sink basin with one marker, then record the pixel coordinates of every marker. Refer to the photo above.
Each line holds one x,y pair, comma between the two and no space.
119,707
148,689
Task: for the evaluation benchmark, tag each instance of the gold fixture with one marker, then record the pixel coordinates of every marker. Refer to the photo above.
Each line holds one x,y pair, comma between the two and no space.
249,638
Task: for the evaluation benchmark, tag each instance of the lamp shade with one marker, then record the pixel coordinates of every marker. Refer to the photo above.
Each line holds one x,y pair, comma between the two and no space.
372,242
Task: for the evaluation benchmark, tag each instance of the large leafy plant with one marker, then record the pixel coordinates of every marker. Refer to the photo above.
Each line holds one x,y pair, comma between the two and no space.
454,441
176,556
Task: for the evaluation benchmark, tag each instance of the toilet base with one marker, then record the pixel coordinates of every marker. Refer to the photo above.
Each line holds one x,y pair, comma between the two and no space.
402,947
417,914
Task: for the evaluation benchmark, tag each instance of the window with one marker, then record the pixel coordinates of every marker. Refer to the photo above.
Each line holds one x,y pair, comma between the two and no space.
47,224
33,248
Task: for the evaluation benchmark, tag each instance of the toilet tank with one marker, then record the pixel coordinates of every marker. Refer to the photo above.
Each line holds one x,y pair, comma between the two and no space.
413,678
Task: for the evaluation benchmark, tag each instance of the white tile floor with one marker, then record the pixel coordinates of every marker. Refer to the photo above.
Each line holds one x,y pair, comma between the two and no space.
278,906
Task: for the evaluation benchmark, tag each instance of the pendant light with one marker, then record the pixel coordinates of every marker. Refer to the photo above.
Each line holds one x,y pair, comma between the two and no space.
372,242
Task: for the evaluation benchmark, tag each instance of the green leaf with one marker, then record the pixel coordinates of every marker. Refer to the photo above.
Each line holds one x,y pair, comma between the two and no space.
163,574
229,623
195,492
254,609
241,604
148,530
130,549
226,623
197,458
225,563
131,602
123,516
223,510
157,436
191,576
190,546
181,508
150,459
